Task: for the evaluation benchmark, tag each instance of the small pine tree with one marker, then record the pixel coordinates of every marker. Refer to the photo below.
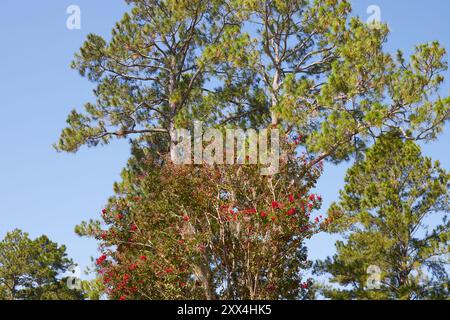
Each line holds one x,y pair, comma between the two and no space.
32,269
392,251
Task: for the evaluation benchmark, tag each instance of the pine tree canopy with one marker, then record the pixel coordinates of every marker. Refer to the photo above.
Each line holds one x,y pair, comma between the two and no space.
390,211
306,66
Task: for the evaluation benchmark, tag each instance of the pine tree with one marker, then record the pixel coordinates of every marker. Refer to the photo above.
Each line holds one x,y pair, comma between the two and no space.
307,66
325,75
388,213
155,72
32,269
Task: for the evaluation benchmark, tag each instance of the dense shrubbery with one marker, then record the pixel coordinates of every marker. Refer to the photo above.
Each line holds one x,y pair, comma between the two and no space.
203,232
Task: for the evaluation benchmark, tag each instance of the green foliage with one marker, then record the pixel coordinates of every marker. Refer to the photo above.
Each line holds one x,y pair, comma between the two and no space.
32,269
384,212
152,73
307,67
93,289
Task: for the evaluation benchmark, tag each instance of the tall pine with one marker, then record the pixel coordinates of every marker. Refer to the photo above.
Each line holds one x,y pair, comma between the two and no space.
393,213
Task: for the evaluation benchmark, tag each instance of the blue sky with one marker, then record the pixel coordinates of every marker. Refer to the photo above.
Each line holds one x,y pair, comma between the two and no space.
44,192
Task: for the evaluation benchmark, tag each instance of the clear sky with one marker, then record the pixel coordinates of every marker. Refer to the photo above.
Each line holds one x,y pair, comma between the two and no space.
43,192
